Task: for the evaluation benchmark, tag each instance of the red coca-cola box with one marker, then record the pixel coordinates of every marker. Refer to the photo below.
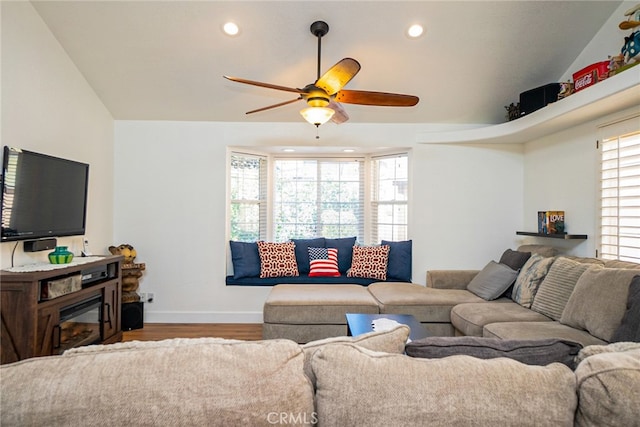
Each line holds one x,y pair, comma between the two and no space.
590,75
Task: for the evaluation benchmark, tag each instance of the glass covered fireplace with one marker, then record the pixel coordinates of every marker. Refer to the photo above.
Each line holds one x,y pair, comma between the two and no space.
79,324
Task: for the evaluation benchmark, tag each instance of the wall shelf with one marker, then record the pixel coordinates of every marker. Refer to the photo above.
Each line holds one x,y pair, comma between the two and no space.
614,94
554,236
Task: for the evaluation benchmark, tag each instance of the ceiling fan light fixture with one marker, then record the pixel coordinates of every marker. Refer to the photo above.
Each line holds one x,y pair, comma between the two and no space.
317,115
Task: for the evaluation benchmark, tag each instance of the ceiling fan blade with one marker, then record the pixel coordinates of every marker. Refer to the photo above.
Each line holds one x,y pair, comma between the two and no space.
261,84
384,99
340,115
338,75
274,106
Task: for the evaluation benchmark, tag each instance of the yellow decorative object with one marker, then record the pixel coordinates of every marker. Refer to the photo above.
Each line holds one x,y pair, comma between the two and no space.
126,250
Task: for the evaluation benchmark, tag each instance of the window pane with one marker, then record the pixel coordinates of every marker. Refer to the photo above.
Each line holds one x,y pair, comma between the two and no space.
389,198
620,197
318,197
247,190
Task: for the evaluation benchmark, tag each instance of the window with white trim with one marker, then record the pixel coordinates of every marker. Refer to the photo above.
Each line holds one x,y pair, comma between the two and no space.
389,198
330,197
620,191
248,197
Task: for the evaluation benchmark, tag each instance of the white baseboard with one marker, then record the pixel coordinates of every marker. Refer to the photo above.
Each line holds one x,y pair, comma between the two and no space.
201,317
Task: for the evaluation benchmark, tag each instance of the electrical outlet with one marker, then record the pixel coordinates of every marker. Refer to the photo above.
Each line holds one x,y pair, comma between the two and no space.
143,296
150,297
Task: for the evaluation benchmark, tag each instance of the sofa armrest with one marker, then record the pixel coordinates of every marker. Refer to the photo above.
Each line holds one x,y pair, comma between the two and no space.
450,279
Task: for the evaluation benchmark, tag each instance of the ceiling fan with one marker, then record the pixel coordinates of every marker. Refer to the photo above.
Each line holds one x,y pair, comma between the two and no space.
324,96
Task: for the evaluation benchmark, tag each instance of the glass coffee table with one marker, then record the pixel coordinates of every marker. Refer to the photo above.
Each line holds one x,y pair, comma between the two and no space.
359,323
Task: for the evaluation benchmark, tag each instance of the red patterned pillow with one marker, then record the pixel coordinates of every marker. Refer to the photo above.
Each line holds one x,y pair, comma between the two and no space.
369,262
323,262
277,259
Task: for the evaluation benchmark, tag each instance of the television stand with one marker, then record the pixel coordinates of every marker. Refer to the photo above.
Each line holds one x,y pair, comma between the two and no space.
87,311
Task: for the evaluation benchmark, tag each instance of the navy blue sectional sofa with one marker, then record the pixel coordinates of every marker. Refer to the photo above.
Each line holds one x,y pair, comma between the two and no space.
246,263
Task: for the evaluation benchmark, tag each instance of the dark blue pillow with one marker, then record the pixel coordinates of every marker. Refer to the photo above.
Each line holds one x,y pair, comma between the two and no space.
245,258
345,251
399,265
302,252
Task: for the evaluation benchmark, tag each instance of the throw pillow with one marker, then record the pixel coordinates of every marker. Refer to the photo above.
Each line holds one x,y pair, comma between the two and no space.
556,288
629,329
399,266
323,262
389,341
344,246
531,352
359,387
277,259
531,275
369,262
598,301
245,259
617,347
492,280
514,259
302,251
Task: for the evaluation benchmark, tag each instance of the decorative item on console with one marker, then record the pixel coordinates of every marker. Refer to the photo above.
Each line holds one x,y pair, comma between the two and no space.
60,255
131,272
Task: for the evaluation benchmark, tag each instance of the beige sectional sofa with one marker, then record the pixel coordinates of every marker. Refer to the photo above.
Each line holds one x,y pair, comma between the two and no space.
580,299
336,382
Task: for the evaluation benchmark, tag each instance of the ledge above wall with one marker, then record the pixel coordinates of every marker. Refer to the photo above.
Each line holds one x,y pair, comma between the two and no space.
614,94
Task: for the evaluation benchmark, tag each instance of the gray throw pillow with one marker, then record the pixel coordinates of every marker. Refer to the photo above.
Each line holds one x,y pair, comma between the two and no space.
492,281
530,352
629,329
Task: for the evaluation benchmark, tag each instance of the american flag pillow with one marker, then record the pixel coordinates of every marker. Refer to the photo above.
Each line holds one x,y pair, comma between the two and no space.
323,262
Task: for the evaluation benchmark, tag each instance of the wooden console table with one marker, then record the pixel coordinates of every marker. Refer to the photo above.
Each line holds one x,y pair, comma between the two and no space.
31,325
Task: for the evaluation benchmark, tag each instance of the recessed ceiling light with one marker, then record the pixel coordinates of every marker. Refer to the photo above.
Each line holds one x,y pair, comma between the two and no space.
415,31
288,150
348,150
231,29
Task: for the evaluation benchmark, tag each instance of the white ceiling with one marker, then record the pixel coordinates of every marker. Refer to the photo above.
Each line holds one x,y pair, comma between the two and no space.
164,60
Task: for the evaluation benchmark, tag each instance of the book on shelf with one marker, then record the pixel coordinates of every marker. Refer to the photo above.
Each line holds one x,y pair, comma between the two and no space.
551,222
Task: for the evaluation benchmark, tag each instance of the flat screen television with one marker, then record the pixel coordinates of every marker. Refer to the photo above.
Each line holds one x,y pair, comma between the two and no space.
42,196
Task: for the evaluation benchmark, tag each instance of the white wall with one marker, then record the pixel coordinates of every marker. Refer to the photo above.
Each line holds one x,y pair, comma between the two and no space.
48,107
170,204
562,173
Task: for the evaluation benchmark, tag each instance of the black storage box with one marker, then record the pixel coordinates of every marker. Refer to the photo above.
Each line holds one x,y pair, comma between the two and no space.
539,97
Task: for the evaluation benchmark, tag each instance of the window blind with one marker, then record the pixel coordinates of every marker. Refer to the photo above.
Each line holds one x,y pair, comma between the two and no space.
620,191
389,198
248,197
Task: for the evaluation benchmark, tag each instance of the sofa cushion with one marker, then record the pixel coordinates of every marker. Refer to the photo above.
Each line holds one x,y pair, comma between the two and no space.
370,262
427,305
532,352
629,329
539,330
608,390
492,281
400,256
323,262
302,251
556,288
617,347
598,301
225,383
277,259
344,245
470,318
528,281
358,387
542,250
389,341
245,259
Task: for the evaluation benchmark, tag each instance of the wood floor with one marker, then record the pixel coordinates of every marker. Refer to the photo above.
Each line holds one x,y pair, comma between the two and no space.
160,331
